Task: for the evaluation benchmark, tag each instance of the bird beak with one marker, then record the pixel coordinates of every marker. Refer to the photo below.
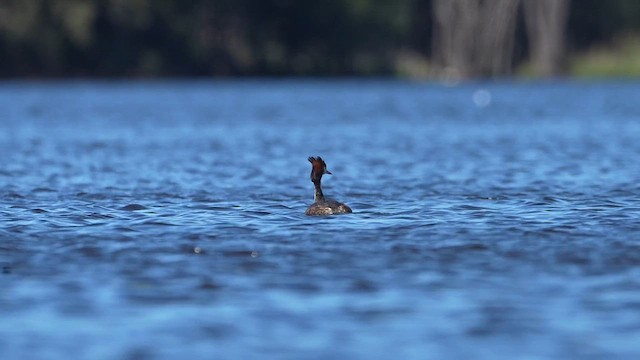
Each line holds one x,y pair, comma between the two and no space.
327,172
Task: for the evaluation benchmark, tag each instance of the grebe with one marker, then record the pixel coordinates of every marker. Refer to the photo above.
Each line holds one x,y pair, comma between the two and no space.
323,206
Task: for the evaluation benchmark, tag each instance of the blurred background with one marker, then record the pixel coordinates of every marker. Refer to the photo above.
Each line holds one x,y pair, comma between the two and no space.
451,39
410,38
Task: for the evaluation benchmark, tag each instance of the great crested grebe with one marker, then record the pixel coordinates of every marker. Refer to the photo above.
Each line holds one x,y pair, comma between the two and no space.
323,206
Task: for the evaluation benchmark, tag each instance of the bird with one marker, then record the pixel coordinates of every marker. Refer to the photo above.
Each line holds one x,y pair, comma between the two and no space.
322,205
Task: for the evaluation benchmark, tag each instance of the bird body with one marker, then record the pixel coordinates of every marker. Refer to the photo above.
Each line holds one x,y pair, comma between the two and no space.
328,207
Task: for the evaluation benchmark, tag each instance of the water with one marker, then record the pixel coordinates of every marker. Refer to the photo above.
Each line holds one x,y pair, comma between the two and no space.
166,220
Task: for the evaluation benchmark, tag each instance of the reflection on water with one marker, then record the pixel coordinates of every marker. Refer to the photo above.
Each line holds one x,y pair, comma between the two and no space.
167,219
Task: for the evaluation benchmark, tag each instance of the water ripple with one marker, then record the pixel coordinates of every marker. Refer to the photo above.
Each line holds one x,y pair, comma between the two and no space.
176,211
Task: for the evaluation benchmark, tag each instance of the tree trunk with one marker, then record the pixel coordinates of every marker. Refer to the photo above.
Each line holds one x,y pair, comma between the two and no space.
474,37
546,25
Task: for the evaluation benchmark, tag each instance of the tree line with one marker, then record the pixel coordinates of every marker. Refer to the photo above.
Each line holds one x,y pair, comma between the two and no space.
149,38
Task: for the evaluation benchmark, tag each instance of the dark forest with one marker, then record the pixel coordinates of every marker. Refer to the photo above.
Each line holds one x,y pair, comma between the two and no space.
415,38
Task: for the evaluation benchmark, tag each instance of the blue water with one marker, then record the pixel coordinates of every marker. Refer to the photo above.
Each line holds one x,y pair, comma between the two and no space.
166,220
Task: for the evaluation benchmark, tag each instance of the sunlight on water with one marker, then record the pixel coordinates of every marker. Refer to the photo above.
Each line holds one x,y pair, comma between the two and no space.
166,219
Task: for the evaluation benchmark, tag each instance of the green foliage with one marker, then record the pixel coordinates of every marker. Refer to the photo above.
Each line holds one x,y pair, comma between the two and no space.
202,37
621,59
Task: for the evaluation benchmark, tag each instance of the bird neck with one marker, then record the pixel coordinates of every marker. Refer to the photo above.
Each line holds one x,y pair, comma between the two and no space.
317,195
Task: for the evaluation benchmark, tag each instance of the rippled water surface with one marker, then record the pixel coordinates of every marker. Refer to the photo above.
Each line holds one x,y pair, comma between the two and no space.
166,220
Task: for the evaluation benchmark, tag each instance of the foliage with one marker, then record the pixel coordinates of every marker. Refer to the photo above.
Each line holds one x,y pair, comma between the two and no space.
126,38
620,59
